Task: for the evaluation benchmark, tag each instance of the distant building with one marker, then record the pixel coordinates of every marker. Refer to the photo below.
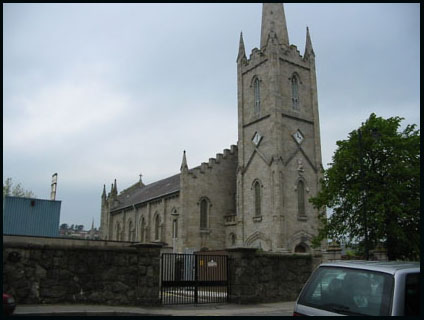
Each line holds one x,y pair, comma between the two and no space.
31,217
92,234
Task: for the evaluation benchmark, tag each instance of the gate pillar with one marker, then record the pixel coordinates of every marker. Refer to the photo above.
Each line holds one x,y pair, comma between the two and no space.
242,288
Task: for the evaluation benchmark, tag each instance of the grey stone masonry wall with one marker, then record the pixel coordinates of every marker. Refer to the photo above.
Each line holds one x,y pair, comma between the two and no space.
61,271
214,181
258,277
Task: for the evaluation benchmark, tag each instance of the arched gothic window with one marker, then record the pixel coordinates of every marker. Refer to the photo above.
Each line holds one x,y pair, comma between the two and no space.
118,231
257,199
257,96
142,229
301,198
175,228
157,222
131,231
295,91
233,239
203,214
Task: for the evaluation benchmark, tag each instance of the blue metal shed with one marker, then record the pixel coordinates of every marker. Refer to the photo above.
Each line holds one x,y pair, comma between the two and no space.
32,217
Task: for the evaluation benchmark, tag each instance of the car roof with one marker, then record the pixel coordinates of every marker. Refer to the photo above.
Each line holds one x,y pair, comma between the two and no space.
382,266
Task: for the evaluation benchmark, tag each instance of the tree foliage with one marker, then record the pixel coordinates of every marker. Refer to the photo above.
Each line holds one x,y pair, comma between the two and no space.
17,191
64,226
373,189
73,227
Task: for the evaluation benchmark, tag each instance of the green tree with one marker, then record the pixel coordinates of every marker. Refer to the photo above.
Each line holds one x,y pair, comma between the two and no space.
373,189
17,191
64,226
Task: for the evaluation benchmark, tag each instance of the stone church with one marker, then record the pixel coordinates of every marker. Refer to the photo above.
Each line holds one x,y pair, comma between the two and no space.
254,194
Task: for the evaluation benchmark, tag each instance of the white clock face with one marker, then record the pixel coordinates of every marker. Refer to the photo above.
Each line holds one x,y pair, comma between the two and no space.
298,136
256,139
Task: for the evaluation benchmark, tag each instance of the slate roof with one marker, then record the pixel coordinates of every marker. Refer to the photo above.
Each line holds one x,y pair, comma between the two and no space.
148,192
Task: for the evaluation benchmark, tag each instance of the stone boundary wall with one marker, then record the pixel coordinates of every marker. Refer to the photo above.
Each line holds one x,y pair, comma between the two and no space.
262,277
47,270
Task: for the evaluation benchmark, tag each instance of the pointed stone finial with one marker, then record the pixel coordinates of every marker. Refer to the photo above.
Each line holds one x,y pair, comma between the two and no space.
114,189
184,163
274,19
92,224
309,51
104,192
242,52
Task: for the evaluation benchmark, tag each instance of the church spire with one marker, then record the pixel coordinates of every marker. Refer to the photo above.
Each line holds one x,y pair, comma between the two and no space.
308,46
273,19
242,51
184,163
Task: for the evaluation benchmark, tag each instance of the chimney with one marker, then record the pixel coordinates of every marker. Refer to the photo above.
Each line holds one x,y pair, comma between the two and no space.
54,186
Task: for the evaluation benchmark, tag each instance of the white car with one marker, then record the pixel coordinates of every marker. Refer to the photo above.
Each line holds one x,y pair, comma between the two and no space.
369,288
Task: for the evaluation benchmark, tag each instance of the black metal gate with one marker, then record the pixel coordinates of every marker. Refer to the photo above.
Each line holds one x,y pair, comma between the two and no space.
194,278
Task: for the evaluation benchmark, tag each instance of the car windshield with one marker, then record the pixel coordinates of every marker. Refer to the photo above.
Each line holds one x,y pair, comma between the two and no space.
349,291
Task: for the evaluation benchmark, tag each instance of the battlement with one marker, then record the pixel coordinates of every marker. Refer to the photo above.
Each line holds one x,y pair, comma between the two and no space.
220,159
290,53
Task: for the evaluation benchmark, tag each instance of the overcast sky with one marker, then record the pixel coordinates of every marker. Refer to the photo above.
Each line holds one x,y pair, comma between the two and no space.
96,92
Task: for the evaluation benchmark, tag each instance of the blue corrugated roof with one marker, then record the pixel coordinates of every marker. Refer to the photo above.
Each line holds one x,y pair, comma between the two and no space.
33,217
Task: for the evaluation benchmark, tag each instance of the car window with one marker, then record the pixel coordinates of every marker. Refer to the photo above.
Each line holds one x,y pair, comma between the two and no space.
412,295
349,291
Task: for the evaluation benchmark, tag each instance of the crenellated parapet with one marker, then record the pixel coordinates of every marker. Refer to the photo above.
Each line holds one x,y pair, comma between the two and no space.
221,159
290,54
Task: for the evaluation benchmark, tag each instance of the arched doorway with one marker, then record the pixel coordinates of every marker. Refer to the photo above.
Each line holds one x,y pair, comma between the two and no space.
301,248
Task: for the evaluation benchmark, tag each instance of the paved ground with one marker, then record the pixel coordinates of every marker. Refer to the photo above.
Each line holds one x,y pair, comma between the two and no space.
263,309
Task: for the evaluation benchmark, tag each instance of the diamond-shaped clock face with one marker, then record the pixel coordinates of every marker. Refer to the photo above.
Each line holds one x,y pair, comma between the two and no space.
256,139
298,136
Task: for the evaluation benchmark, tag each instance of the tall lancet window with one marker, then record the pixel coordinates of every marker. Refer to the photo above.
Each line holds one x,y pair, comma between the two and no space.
257,96
301,198
131,231
175,229
157,224
295,91
203,214
142,229
118,231
257,199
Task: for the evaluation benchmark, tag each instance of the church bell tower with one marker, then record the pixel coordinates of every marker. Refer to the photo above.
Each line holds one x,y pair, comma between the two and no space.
279,148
